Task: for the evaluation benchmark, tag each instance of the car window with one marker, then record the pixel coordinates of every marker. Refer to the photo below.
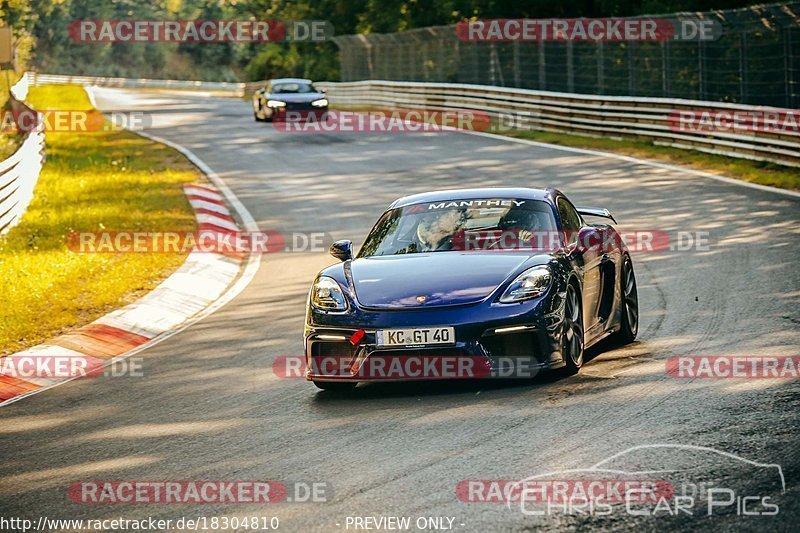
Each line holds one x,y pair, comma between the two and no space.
475,224
292,88
570,219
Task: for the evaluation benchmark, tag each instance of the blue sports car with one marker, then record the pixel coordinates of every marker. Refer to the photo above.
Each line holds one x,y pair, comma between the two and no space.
486,282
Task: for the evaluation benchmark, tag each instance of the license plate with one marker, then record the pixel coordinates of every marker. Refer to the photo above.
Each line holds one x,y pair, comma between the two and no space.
415,336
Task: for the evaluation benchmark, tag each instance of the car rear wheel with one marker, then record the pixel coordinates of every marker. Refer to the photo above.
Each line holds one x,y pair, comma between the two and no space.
340,386
572,340
629,321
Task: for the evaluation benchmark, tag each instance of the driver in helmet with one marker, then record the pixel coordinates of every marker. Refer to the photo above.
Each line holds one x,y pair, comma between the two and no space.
523,223
436,232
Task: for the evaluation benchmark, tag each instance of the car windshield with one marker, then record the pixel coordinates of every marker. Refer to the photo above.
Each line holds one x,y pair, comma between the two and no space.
475,224
294,87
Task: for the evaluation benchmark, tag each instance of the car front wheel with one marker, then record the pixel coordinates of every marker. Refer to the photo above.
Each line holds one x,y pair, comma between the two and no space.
572,340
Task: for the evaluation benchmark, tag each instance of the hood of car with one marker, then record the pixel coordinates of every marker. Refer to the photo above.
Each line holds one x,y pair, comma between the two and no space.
434,279
295,98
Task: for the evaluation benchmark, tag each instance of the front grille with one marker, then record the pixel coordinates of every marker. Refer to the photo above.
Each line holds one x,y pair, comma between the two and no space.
298,106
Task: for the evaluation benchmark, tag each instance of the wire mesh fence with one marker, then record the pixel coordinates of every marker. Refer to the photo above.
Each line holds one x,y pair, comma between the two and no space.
756,60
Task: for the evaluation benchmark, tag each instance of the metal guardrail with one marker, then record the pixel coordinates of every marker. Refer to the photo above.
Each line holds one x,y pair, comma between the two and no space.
639,118
20,172
238,88
136,83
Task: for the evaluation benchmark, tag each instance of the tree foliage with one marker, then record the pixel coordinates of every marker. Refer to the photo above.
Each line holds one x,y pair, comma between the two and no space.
46,21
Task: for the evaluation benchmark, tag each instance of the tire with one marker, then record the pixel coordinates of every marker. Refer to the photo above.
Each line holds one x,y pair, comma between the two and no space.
339,386
572,339
629,320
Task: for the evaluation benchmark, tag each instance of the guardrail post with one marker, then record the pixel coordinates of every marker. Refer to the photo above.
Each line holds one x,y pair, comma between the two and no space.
701,68
476,63
426,53
601,72
370,53
457,59
441,60
497,70
570,70
743,66
384,54
665,69
492,65
542,67
631,69
787,65
398,60
411,66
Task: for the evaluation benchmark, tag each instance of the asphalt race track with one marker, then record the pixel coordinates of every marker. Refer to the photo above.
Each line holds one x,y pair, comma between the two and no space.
210,407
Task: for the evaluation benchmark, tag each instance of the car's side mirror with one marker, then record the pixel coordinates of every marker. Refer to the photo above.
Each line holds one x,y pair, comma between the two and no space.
324,91
342,250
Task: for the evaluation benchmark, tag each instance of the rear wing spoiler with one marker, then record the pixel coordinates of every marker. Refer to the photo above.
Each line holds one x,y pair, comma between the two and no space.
596,212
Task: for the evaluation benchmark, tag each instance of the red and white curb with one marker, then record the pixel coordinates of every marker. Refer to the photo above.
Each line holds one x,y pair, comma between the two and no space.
203,284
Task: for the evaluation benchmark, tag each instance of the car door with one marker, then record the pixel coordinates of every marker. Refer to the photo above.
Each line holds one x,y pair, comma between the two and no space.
586,257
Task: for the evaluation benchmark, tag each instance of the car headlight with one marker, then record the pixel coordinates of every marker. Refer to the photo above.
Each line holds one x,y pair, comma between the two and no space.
530,284
275,103
322,102
327,295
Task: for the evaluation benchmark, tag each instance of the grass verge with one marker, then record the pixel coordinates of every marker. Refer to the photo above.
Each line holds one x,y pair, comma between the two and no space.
110,180
9,143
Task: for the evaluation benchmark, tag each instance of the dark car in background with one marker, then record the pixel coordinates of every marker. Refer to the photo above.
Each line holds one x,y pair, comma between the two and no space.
280,96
